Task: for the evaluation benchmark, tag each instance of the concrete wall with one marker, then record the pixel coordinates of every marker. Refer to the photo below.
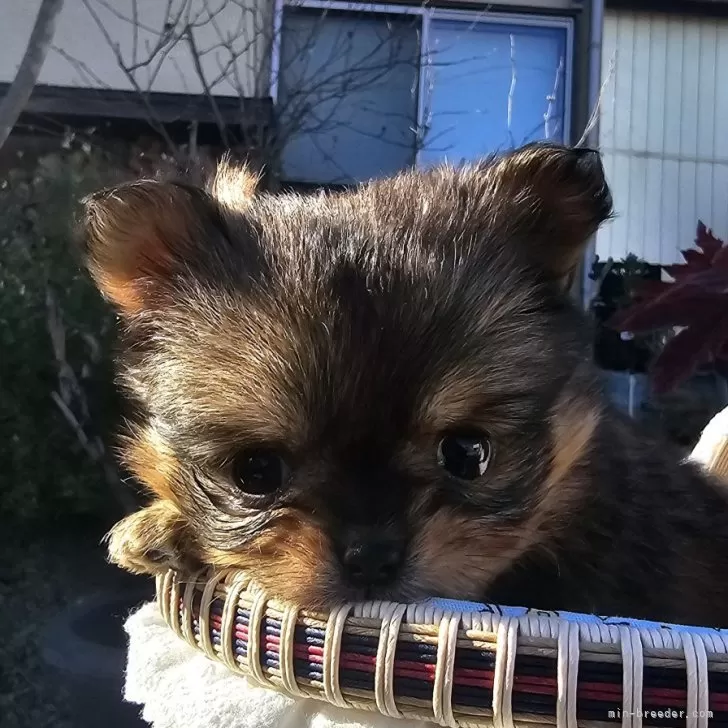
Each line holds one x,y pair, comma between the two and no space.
233,39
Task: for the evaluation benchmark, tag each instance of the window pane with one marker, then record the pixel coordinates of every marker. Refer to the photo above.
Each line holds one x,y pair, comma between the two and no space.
492,87
347,95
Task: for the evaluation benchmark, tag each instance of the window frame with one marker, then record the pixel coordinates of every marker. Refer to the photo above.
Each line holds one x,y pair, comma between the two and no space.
427,15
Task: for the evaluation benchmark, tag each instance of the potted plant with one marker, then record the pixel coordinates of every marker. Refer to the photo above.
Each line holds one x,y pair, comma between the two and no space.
623,357
689,313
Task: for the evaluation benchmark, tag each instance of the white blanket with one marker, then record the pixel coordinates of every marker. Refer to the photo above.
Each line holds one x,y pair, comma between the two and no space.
179,687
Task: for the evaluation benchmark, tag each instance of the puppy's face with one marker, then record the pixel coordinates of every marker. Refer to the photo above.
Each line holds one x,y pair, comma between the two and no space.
377,394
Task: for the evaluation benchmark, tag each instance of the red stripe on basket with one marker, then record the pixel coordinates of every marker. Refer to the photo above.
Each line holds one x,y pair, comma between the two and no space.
605,697
718,701
484,683
412,674
666,692
354,665
306,651
670,697
601,687
316,659
415,667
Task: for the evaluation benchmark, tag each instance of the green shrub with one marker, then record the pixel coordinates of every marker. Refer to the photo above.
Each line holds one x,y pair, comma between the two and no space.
57,399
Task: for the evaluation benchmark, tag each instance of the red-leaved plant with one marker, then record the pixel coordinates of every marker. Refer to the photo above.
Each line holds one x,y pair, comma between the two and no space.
694,303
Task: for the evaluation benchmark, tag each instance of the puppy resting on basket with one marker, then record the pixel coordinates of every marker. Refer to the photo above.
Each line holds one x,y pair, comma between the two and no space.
387,394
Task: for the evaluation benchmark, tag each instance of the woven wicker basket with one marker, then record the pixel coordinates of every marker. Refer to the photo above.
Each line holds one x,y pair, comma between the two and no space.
458,664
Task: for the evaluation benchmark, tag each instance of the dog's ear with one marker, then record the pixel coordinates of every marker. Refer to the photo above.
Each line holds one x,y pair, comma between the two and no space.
552,198
140,237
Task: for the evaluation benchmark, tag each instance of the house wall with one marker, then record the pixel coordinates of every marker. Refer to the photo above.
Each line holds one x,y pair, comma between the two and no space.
548,4
662,132
83,56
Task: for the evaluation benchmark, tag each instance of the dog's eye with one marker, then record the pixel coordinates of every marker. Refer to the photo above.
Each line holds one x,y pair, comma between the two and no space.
260,472
465,455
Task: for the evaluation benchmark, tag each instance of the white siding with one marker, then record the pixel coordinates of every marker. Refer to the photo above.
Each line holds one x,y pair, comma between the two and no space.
662,132
83,56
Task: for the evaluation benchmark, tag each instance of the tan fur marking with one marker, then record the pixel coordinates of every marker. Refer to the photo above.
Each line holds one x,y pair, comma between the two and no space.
458,557
152,462
292,559
574,425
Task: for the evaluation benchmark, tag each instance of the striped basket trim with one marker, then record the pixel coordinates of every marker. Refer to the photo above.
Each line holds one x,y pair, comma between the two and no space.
456,668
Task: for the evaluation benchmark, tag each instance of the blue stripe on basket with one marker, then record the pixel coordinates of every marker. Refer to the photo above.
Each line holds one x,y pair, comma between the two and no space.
474,660
367,645
463,695
422,647
359,639
415,652
472,701
356,679
360,685
410,688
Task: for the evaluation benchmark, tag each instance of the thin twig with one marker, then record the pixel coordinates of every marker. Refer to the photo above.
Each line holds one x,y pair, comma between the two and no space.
512,90
70,392
153,119
594,118
194,52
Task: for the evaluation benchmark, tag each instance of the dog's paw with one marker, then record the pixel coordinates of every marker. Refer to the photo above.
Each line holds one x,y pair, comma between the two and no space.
152,541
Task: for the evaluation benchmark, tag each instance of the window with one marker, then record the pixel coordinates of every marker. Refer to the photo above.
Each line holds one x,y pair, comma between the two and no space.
363,93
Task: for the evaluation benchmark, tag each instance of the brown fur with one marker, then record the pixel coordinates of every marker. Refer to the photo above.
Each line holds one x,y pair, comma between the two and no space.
350,332
153,539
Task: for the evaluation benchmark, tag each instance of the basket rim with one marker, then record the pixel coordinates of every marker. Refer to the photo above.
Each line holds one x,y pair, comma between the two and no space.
313,654
433,608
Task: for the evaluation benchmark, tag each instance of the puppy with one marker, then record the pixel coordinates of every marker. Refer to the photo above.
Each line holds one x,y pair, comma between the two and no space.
386,393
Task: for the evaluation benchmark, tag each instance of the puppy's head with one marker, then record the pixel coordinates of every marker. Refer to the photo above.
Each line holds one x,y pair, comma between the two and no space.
382,393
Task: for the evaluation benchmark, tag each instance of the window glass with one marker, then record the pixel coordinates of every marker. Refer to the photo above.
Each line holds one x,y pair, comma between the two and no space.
347,95
491,87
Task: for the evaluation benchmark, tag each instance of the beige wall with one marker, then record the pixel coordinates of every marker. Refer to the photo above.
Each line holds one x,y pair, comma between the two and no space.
83,56
663,132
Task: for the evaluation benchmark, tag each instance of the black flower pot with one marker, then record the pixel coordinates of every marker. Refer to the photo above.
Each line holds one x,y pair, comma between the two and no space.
85,647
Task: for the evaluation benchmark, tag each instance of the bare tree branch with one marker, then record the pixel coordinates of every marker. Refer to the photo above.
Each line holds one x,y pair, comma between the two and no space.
512,89
22,86
222,127
72,403
551,99
83,69
594,118
153,119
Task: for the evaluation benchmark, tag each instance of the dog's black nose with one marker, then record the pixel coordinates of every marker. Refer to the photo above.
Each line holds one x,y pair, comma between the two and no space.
372,562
